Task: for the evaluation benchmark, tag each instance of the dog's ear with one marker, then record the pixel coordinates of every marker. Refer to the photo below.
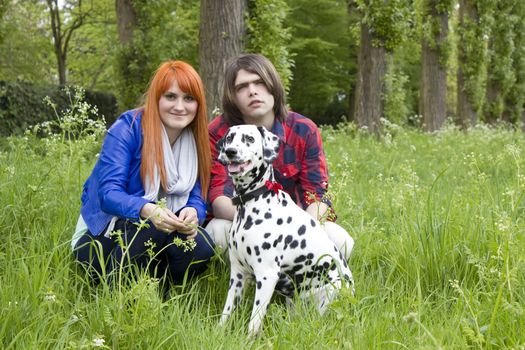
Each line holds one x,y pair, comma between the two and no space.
271,144
220,144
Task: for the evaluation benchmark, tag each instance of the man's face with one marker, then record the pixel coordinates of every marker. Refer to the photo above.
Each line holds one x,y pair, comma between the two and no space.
253,99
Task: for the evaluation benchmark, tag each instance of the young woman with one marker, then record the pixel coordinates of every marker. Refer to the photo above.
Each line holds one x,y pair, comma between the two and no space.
154,165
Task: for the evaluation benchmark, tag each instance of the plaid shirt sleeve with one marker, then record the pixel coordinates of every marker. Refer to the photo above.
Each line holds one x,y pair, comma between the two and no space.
220,184
314,173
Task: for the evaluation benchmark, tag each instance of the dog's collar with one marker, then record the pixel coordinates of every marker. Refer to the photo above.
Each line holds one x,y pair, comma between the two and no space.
268,187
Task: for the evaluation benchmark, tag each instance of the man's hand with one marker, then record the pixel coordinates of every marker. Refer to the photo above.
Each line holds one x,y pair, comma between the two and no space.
317,209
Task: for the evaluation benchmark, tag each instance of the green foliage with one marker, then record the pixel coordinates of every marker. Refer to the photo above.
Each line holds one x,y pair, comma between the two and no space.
438,263
472,57
431,16
92,49
268,35
396,104
166,30
515,102
22,105
501,75
324,59
389,21
26,52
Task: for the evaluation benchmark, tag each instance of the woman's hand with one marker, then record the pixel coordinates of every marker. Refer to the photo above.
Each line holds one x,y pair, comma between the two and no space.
190,220
162,218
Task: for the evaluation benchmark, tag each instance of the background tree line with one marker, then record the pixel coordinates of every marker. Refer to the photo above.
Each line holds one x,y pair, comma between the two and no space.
412,62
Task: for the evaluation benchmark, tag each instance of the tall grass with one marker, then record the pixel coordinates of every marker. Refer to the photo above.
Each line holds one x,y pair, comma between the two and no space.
438,261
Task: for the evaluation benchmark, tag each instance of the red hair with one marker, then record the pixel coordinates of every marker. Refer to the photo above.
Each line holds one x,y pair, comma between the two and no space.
190,83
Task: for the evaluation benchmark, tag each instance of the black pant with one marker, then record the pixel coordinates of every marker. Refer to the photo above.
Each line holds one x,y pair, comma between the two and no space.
148,247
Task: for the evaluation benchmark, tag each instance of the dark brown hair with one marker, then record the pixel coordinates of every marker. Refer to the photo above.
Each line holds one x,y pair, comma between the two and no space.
260,65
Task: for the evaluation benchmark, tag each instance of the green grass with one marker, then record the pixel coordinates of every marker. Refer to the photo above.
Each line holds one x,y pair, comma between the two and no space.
438,260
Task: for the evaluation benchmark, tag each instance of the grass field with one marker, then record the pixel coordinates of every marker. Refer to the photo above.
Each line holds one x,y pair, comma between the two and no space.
438,261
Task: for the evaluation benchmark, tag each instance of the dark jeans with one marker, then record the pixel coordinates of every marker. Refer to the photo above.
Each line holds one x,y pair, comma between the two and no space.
102,255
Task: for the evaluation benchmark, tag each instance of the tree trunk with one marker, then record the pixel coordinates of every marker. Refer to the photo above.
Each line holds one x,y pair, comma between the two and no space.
432,98
370,85
466,113
221,37
126,21
62,35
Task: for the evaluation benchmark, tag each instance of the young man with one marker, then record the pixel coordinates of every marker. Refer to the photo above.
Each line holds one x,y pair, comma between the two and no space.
253,94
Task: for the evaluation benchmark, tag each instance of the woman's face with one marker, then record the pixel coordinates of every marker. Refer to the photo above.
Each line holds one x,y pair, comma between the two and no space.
177,110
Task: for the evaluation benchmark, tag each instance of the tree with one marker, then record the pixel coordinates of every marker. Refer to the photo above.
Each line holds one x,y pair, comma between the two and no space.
500,74
472,32
383,27
151,32
62,29
516,96
92,50
221,36
434,58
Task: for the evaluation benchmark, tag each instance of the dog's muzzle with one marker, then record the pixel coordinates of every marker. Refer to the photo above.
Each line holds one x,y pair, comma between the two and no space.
235,165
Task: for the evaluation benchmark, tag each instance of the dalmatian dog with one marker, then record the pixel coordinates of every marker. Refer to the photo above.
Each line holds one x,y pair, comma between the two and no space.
272,240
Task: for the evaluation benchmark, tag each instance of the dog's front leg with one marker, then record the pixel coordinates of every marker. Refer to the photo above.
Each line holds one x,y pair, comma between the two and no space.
263,294
237,283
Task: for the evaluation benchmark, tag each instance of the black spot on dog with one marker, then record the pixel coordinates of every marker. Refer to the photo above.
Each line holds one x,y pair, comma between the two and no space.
266,235
294,244
289,220
268,216
312,222
299,259
259,285
258,221
249,250
266,246
255,210
284,202
288,239
239,284
257,302
279,221
257,250
277,241
303,244
248,223
302,230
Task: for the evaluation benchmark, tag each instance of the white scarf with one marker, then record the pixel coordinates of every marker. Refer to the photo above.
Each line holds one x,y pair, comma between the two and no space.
180,162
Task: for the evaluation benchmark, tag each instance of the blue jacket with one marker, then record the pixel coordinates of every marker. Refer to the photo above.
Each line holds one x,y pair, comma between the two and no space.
114,187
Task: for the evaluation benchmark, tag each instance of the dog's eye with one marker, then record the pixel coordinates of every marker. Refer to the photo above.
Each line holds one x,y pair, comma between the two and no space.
250,139
229,138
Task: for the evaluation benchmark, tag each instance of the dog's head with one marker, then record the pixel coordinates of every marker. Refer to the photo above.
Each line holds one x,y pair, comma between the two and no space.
247,149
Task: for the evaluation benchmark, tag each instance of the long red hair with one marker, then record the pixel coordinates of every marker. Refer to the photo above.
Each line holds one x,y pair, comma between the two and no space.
190,83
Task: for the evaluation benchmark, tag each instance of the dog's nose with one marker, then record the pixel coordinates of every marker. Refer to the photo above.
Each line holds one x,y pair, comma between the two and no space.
230,152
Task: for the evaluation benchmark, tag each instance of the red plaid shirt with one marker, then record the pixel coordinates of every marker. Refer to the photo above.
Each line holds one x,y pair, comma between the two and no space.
300,166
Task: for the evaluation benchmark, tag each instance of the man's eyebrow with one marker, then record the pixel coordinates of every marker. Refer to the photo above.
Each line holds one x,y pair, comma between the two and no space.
244,83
